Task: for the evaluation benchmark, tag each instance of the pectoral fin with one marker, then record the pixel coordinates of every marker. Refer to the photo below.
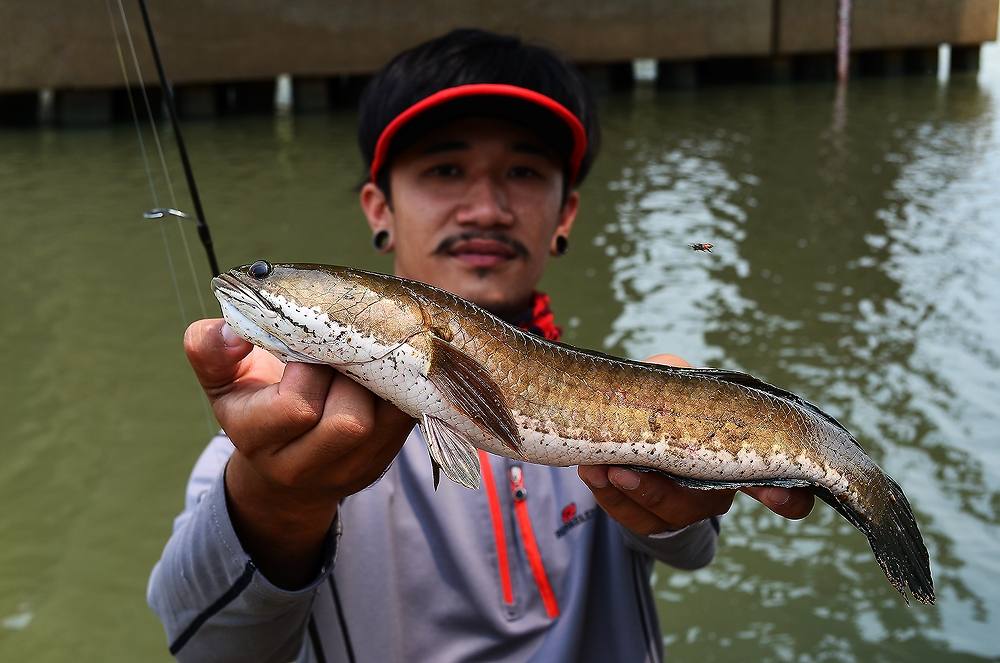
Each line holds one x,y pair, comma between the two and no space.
451,452
469,388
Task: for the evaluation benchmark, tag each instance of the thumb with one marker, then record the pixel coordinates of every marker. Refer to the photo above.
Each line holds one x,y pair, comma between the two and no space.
215,353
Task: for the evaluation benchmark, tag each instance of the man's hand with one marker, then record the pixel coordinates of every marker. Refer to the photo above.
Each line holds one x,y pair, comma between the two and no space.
649,503
305,438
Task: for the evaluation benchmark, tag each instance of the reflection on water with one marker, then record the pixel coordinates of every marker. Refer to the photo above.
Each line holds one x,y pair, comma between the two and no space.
855,262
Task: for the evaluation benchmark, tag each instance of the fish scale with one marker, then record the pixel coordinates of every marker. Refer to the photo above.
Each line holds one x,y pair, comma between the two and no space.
474,381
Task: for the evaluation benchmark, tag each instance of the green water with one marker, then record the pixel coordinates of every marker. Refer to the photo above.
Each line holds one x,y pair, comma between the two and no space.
856,263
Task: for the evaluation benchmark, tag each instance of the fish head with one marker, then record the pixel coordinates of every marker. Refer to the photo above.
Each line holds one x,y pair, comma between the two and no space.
311,313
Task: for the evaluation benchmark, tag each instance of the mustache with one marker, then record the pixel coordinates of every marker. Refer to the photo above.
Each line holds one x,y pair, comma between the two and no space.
448,243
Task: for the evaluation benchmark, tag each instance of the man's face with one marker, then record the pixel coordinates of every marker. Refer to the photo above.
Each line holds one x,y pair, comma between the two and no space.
474,210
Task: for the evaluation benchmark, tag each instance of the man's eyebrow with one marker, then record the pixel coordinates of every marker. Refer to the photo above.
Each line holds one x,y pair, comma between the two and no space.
445,146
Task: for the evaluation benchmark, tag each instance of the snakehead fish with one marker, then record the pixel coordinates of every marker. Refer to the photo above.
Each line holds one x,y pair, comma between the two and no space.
472,380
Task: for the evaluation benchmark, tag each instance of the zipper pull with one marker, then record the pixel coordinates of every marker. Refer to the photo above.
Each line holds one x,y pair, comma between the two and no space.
517,489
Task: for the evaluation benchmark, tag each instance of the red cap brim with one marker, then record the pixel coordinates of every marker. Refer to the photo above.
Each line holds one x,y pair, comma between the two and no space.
446,95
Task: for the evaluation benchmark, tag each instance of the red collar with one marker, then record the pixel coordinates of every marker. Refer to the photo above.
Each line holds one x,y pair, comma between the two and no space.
542,322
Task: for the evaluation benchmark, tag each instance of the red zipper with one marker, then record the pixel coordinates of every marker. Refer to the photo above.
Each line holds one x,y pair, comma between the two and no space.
499,538
519,494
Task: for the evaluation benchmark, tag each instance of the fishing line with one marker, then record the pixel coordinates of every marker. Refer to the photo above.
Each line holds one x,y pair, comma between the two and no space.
168,95
145,163
209,418
159,150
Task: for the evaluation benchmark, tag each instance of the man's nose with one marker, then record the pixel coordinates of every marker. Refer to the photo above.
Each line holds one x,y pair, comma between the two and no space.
485,203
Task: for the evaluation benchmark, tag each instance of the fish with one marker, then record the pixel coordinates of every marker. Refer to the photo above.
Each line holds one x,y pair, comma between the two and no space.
473,381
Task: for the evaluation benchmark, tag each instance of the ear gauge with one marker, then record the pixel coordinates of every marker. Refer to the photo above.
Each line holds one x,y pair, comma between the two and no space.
560,245
381,241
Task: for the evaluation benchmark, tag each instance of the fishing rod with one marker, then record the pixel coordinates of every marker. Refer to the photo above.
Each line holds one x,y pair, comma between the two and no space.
168,94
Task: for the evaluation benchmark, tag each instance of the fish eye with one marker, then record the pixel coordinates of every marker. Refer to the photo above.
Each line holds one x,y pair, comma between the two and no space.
260,269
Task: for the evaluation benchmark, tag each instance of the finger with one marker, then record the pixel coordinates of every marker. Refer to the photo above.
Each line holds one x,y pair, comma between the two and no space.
391,430
308,385
358,435
618,505
297,403
792,503
595,476
397,422
382,428
270,417
215,353
347,422
669,501
264,366
344,424
667,360
394,427
377,421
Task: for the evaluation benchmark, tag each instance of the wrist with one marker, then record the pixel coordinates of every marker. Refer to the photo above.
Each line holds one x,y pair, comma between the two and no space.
282,530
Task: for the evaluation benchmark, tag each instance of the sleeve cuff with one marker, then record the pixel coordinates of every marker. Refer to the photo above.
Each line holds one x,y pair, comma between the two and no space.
223,528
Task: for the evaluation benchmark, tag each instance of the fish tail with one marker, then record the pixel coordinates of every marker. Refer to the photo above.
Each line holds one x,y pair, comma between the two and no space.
893,536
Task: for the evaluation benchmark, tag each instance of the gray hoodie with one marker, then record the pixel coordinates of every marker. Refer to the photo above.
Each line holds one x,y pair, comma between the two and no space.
528,568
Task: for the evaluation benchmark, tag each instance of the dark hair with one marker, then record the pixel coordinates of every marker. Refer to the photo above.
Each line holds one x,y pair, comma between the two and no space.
467,56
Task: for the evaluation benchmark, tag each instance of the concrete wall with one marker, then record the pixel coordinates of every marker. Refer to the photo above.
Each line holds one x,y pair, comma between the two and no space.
804,26
67,44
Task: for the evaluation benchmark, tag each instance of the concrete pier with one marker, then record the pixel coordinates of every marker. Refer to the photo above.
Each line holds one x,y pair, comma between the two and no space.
224,57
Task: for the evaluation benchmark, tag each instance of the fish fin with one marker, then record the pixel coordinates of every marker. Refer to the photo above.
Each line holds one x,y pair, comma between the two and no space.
894,538
892,531
451,452
710,484
469,388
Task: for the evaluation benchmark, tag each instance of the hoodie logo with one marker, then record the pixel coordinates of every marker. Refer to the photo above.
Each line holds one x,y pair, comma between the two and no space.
571,518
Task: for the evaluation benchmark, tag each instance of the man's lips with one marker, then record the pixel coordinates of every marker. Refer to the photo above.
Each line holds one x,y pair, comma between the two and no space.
489,247
481,251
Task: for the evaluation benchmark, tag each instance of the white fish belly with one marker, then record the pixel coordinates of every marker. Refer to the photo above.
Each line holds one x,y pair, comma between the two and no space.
683,459
399,376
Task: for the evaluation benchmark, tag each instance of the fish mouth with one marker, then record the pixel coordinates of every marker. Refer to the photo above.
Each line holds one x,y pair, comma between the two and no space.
229,288
241,305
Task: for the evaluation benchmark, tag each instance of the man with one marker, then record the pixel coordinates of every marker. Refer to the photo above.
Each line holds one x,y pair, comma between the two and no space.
475,146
